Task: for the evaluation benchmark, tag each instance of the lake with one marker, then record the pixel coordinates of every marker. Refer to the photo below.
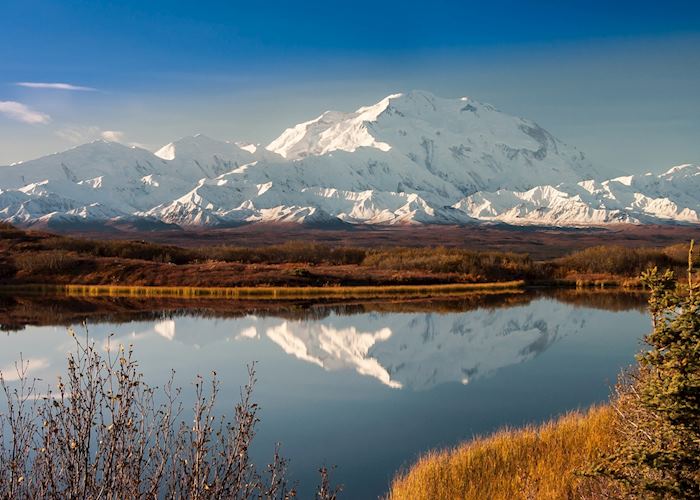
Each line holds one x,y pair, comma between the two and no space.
364,386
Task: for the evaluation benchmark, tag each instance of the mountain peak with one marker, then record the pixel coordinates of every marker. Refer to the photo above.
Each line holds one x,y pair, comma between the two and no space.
199,145
331,131
99,147
336,130
447,137
684,169
102,144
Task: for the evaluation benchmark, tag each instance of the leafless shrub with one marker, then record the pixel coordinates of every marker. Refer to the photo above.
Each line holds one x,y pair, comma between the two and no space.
103,432
326,491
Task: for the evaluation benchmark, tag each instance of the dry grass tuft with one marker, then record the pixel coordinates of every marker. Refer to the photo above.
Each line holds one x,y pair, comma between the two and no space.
535,462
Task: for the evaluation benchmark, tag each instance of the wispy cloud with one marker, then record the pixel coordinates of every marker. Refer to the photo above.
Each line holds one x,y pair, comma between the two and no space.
112,135
23,113
81,134
55,86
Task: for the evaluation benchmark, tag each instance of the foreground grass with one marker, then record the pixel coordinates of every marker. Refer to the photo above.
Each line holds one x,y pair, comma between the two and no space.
533,462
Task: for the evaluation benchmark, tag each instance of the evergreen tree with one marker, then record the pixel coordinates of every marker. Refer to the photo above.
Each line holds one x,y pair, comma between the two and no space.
659,405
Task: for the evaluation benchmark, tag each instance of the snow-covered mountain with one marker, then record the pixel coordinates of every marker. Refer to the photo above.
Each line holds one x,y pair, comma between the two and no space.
408,159
673,196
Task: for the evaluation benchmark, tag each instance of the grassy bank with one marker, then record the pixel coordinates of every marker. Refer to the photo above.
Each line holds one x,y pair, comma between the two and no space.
272,293
533,462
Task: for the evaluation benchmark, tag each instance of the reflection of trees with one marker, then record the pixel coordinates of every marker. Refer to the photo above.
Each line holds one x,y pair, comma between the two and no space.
18,311
609,300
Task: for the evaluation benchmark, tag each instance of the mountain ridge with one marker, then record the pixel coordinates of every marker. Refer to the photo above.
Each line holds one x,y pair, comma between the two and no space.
410,158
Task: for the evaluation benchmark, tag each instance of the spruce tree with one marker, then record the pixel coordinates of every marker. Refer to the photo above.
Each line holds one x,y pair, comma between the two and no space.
659,405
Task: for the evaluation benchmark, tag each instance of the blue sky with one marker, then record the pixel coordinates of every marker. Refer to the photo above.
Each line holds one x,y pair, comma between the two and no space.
620,80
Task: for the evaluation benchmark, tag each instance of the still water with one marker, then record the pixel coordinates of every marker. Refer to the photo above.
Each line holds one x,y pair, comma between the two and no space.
366,387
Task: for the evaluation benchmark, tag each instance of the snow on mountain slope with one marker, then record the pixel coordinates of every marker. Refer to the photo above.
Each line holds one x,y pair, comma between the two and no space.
89,161
251,194
212,156
671,196
405,159
121,180
409,159
470,145
332,131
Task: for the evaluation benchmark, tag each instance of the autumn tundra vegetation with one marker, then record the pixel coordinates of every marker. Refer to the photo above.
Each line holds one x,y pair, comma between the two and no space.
29,257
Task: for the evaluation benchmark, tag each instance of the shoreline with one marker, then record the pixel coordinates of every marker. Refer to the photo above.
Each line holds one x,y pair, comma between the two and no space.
18,309
310,292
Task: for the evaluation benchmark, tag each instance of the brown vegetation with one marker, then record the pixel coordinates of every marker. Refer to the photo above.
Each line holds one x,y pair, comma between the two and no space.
617,260
540,242
28,257
474,266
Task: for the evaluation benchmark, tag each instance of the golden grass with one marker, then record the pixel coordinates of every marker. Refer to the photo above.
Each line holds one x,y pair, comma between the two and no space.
272,293
538,462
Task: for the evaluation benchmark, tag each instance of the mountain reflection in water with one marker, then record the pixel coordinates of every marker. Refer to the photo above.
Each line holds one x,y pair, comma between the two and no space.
366,386
415,344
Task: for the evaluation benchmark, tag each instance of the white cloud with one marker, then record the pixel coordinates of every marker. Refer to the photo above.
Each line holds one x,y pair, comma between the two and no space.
55,86
112,135
80,134
23,113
